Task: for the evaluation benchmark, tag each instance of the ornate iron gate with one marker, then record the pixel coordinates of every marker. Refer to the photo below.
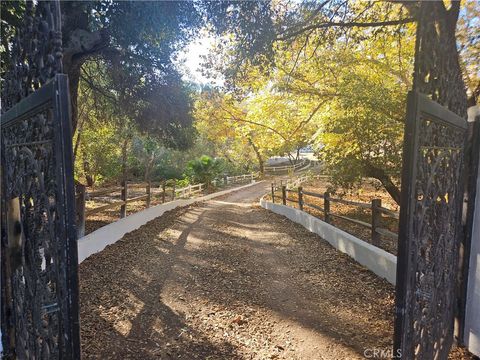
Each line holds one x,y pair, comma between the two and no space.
430,229
38,248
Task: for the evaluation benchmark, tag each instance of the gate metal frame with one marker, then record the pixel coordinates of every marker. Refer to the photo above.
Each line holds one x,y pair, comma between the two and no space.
427,265
18,327
472,163
39,285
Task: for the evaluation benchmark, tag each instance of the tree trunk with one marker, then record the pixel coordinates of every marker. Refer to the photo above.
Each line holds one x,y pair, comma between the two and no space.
437,62
387,183
77,142
149,166
124,159
88,175
261,162
298,155
291,159
73,82
78,45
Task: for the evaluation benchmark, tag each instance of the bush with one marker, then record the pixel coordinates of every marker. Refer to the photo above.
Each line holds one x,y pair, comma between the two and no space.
204,169
182,183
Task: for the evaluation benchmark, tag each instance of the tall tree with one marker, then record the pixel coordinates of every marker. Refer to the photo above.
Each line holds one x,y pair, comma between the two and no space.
269,122
437,62
136,40
440,73
220,119
310,53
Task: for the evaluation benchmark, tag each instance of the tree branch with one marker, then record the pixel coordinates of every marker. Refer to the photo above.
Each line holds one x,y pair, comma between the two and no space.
259,124
380,174
97,88
286,36
82,44
235,118
307,120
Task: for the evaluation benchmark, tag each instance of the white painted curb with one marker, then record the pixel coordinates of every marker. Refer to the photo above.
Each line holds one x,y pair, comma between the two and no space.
377,260
111,233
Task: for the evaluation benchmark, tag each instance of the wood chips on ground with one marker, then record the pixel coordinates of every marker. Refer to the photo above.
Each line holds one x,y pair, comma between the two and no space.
226,279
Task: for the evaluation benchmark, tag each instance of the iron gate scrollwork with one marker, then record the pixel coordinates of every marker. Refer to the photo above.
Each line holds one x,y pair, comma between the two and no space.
430,229
38,246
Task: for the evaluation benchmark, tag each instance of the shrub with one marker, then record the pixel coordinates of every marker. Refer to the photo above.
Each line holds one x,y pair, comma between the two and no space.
204,169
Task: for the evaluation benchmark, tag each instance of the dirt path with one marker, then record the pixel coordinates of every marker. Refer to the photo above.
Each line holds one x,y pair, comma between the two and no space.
226,279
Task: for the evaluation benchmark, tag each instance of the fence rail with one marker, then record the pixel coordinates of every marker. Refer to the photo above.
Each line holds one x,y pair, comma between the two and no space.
189,190
283,168
377,210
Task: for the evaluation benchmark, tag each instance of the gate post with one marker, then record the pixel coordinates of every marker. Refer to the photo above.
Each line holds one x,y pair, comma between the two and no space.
376,221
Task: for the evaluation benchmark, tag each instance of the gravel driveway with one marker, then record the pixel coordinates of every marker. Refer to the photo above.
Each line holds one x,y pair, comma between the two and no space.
226,279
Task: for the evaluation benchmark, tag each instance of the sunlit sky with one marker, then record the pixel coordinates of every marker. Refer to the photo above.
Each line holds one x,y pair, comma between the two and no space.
190,59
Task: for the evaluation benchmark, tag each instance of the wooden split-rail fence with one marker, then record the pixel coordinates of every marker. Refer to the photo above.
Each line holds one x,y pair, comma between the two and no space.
303,200
162,191
286,168
226,180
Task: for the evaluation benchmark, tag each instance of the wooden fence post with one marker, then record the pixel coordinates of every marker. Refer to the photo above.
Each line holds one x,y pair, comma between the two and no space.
164,185
80,209
284,195
326,206
273,193
173,190
376,221
300,198
225,180
123,208
148,191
